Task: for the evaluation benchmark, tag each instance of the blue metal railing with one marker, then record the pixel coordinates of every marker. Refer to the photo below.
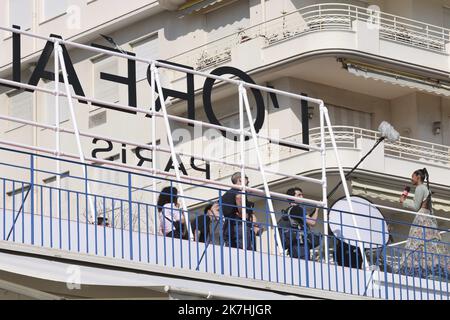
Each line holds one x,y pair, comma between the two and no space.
42,215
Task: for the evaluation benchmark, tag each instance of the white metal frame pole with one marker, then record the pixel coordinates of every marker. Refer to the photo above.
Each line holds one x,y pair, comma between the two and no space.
243,91
57,124
176,164
344,184
153,124
324,179
75,126
242,158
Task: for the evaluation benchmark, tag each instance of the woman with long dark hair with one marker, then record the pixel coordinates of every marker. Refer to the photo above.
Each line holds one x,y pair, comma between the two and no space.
424,254
171,219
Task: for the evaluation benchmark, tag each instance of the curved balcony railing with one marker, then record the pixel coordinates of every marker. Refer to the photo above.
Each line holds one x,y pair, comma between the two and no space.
346,137
405,148
320,17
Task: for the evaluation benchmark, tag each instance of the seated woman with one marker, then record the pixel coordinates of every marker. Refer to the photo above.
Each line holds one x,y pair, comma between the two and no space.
171,219
424,254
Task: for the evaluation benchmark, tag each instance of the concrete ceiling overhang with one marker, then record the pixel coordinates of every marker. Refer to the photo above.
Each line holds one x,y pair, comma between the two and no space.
51,271
330,71
362,57
325,67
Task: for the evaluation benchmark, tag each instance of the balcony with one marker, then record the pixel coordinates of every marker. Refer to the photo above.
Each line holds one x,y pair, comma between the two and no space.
392,159
46,218
406,148
369,31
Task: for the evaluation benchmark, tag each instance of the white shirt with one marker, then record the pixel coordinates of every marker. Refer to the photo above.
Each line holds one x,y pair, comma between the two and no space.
169,214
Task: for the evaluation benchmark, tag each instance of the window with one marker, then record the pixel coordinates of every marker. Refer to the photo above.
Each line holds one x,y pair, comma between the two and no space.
50,103
147,49
97,119
341,116
20,106
103,89
21,13
53,8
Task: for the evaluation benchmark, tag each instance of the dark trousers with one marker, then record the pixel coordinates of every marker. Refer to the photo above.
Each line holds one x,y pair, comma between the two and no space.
300,251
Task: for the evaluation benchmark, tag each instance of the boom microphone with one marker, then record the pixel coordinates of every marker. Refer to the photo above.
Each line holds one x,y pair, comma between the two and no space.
388,132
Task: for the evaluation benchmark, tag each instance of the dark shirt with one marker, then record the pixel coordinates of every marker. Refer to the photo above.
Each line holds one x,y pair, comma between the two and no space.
202,225
292,227
229,207
232,227
296,213
208,228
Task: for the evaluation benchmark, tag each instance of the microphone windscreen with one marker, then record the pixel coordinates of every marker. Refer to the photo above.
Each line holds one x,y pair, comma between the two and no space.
388,132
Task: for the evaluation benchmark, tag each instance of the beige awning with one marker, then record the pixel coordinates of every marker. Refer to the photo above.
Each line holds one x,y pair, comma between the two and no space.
196,6
399,80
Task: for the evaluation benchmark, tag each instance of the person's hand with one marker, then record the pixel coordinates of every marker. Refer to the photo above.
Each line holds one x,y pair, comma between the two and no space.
402,199
259,229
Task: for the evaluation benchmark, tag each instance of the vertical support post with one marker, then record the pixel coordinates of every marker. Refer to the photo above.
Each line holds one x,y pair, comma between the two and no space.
324,179
222,270
242,158
86,204
385,261
74,123
278,245
57,123
130,215
153,124
32,196
155,75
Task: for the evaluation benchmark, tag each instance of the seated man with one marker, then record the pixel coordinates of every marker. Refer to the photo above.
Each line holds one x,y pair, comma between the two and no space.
292,227
206,226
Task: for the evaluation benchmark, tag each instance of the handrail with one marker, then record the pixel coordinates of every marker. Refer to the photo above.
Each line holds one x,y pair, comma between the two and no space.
140,202
66,231
286,200
318,17
405,146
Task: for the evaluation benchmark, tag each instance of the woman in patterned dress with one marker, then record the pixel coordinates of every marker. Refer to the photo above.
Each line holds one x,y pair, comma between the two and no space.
424,254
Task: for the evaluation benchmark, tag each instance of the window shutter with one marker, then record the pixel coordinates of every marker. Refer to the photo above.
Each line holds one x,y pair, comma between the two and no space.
347,117
97,119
